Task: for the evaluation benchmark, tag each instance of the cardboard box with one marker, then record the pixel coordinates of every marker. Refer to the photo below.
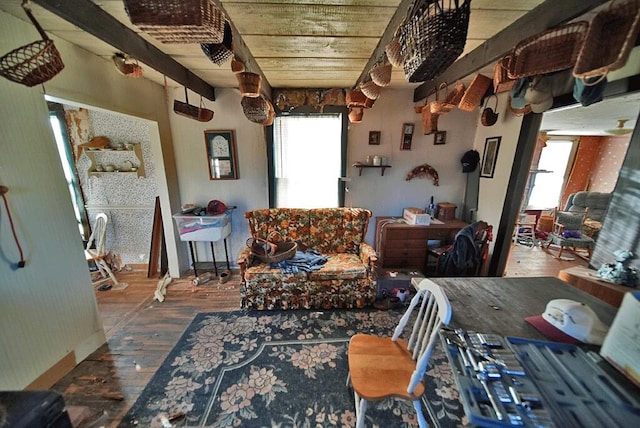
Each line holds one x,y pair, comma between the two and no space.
621,346
416,216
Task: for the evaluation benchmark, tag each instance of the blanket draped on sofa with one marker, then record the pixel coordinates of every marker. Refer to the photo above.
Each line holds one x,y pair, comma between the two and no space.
345,280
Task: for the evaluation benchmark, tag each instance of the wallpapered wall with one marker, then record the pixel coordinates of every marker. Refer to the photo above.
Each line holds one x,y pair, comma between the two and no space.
612,153
128,200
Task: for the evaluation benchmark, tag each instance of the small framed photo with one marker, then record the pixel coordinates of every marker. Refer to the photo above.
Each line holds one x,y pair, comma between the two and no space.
374,138
407,136
440,137
490,157
221,155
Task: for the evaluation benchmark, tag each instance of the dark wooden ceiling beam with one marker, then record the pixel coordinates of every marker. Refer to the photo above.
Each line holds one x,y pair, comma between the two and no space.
242,52
378,52
549,14
92,19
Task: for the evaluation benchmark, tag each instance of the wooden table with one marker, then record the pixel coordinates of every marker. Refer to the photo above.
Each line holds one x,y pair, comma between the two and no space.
499,305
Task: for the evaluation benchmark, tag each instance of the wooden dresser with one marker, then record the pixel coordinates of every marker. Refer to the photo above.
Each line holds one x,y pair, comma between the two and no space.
401,245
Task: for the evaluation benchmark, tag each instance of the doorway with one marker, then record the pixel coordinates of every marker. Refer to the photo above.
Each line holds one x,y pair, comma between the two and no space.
115,177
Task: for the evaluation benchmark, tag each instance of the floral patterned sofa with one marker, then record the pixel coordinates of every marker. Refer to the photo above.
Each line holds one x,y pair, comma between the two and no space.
346,280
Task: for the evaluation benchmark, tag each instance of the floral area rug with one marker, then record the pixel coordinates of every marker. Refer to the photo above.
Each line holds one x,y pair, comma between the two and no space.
280,369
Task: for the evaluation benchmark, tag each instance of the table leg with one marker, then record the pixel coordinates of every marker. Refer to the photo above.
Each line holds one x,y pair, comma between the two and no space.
226,254
193,259
213,254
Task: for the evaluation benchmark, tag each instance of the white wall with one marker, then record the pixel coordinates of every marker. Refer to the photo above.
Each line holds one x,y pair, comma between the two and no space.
249,192
387,195
48,309
492,191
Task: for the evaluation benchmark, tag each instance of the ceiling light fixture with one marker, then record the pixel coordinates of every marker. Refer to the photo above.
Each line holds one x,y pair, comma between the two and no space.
620,129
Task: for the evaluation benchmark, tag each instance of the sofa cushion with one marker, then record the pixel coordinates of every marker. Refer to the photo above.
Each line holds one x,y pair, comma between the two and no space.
596,202
337,230
340,266
263,272
292,223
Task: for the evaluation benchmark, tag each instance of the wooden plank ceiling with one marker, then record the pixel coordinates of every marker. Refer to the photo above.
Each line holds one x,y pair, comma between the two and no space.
292,43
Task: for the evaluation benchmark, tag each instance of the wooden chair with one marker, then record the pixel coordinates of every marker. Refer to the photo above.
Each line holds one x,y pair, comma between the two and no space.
567,232
525,230
381,367
469,259
98,254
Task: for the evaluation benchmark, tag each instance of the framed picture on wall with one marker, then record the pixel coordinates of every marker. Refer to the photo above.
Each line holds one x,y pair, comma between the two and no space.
490,156
440,137
221,155
374,138
407,136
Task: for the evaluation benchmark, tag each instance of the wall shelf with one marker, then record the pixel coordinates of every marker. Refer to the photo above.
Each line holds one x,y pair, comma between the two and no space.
361,165
117,158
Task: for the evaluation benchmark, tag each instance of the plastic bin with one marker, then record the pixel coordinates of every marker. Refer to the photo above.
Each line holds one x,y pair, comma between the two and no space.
203,228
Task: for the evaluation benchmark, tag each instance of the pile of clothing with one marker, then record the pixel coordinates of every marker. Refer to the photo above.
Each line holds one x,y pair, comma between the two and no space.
307,261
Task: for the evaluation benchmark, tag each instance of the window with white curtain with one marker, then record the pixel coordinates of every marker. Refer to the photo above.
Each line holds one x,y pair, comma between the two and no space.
307,157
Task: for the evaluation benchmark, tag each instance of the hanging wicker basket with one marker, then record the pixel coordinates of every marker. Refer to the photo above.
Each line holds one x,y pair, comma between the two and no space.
355,98
236,65
271,115
249,83
393,49
256,109
501,80
432,37
370,90
473,95
429,120
34,63
355,114
609,40
547,52
219,53
381,74
185,109
456,94
178,21
441,107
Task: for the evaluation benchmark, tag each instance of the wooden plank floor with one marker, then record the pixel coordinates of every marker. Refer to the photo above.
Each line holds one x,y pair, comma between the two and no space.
141,331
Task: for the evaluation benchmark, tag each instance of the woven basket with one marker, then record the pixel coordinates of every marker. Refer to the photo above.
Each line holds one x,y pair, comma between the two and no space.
393,49
271,115
185,109
355,114
441,107
219,53
456,94
355,98
547,52
432,37
269,252
381,74
236,65
256,109
249,83
178,21
429,121
370,90
609,40
501,80
34,63
473,95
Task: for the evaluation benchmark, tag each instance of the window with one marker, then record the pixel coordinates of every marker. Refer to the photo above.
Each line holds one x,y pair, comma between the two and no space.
549,176
68,166
308,161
